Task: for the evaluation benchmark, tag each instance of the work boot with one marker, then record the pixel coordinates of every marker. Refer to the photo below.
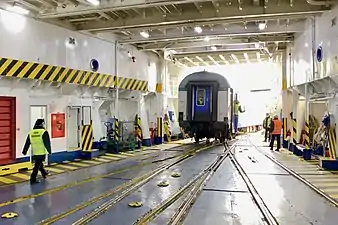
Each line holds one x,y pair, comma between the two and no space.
45,175
34,181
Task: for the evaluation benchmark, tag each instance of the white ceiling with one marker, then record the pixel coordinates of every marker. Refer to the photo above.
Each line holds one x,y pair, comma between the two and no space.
229,27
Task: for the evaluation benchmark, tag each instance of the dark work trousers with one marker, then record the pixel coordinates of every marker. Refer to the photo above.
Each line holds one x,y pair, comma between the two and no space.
273,137
38,166
267,134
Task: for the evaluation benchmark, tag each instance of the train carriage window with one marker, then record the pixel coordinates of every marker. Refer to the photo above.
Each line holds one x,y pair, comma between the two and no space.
200,100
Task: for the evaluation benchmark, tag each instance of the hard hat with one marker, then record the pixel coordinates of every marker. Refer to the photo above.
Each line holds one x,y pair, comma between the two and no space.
275,116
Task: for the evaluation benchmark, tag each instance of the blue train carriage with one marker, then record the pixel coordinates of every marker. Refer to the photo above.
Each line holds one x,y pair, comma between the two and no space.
204,106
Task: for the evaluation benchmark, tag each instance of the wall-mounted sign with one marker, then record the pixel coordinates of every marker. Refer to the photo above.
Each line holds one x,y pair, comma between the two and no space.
319,54
94,65
58,125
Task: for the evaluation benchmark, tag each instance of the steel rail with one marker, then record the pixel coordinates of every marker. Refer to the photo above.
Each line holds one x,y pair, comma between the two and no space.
121,191
297,176
195,184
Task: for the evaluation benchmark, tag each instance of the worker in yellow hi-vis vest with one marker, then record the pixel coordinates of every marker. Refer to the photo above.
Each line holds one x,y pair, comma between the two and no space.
38,139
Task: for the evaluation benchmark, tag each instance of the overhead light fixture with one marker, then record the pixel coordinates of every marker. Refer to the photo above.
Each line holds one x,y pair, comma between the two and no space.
198,30
262,26
144,34
258,55
213,60
246,56
234,57
94,2
172,51
188,59
222,57
18,9
214,48
201,60
207,38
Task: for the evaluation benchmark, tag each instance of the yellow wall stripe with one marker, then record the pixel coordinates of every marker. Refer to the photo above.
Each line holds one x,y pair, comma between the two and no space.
37,71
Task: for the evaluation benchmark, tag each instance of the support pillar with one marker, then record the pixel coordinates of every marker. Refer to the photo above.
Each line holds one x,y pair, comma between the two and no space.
116,113
284,100
294,138
307,115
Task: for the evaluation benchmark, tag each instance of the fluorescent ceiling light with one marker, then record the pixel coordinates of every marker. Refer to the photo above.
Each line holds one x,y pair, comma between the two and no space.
261,26
246,55
258,55
198,30
213,60
234,57
18,9
144,34
199,58
207,38
94,2
222,57
172,51
214,48
226,62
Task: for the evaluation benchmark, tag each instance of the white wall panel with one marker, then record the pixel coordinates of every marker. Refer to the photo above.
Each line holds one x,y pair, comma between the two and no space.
30,40
326,36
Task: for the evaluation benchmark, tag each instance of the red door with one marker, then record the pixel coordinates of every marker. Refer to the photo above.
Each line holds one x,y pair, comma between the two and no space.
7,130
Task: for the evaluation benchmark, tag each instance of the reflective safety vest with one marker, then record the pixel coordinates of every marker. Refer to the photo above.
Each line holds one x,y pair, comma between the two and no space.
236,111
277,126
266,122
37,145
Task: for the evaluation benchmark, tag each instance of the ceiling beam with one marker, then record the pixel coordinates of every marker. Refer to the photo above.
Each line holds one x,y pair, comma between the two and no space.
109,6
202,43
231,32
226,15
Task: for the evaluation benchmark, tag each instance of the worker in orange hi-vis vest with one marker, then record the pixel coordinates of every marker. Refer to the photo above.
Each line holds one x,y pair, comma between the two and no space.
276,127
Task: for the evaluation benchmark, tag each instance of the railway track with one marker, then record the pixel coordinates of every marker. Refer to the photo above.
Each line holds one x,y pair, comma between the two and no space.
187,194
191,191
118,193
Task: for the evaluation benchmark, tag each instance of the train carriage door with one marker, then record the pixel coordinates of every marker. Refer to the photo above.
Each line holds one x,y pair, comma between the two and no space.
202,103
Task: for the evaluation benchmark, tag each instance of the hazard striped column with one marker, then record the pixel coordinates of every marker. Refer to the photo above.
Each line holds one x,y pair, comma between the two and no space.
294,133
159,134
138,130
285,129
306,136
117,132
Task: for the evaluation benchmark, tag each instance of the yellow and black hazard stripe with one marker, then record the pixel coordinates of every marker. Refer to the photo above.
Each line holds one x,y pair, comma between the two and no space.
285,127
132,84
167,130
87,137
37,71
294,131
138,128
159,127
307,135
332,143
116,130
159,88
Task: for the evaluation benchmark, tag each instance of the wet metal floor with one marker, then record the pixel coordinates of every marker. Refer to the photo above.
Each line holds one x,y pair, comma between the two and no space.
225,198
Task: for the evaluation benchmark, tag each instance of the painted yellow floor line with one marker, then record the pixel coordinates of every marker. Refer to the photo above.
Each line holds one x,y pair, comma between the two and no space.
122,156
103,160
93,162
55,170
7,180
320,176
67,167
79,164
324,185
20,176
111,158
127,154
